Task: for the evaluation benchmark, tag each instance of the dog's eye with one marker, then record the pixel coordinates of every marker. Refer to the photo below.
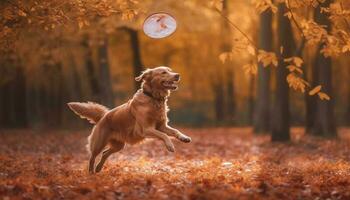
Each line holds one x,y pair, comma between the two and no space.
164,72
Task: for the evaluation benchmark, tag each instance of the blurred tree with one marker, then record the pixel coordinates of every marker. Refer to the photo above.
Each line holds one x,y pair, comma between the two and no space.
348,110
324,124
251,101
136,54
226,46
262,107
280,116
90,69
12,90
219,100
105,86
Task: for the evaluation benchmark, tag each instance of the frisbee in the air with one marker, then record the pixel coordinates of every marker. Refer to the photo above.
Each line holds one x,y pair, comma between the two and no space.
159,25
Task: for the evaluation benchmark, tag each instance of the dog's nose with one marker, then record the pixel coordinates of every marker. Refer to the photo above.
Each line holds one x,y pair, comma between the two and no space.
177,76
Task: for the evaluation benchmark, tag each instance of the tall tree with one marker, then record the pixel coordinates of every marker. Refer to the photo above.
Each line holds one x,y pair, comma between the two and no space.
105,85
324,124
262,107
226,47
348,111
219,99
12,100
280,122
136,54
90,69
251,99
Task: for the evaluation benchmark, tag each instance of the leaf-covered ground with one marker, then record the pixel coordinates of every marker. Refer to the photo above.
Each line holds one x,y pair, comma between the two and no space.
220,163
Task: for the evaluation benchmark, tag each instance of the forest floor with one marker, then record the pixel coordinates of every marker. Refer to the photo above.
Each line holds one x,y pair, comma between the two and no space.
220,163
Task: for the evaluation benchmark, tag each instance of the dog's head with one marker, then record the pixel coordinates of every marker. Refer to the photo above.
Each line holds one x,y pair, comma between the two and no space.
160,78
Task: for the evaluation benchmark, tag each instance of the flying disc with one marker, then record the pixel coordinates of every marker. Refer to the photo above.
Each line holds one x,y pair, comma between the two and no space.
159,25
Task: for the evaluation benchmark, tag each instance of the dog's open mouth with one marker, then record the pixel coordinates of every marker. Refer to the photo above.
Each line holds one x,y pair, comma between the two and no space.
171,85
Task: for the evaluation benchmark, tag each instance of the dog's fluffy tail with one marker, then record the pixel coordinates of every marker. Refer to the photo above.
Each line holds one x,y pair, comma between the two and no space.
93,112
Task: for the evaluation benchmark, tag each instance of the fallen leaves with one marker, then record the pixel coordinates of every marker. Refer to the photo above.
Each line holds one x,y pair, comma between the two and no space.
220,163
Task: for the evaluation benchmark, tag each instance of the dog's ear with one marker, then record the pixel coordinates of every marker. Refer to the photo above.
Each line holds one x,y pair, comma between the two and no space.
144,75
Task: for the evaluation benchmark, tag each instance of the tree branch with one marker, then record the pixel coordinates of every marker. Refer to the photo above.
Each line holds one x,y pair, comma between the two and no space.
236,27
294,20
345,20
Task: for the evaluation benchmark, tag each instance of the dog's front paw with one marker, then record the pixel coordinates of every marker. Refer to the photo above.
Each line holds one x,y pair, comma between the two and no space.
185,139
170,147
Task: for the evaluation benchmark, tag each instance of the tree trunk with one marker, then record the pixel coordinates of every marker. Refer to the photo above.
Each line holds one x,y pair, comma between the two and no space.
310,101
20,98
105,85
35,105
226,47
251,99
324,124
230,99
262,107
12,100
219,100
280,124
348,112
91,72
4,96
71,91
136,52
57,100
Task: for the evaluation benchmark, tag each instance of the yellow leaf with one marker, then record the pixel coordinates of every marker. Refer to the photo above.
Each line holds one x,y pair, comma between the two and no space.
275,62
250,69
224,57
293,68
296,82
288,14
315,90
251,50
346,48
323,96
298,61
274,9
267,58
87,23
288,59
80,24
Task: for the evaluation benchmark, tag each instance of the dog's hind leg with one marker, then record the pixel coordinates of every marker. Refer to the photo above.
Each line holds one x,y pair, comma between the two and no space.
97,141
115,146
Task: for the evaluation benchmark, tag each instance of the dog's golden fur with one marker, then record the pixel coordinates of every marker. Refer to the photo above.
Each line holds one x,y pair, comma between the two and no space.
143,116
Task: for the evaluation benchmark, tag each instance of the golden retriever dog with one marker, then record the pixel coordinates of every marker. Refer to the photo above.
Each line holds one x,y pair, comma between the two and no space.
143,116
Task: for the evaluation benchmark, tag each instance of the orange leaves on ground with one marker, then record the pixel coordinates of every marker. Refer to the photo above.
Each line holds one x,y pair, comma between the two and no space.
220,163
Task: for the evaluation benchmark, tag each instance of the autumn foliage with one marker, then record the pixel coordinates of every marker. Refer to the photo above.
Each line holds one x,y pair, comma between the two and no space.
268,64
221,163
